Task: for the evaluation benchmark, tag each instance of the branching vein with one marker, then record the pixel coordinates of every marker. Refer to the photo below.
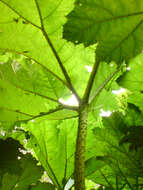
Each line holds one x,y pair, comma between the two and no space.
56,54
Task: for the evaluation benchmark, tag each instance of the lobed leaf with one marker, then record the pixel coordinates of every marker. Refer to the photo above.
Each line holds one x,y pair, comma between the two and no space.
34,29
116,25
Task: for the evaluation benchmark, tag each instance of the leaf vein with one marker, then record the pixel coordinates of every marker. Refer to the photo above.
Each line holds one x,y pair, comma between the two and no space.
15,11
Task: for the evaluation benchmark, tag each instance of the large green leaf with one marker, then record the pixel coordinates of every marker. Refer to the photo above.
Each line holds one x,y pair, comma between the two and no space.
26,91
116,25
50,67
53,144
34,28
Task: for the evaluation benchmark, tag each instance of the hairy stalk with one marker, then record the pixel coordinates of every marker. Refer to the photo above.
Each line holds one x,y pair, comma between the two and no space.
90,81
79,172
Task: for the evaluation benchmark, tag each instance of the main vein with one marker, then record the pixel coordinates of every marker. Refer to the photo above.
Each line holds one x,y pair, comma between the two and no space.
56,54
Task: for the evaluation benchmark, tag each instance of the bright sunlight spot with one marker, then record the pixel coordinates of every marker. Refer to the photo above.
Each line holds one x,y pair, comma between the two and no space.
2,133
89,68
69,184
120,91
22,151
72,101
105,113
128,68
111,65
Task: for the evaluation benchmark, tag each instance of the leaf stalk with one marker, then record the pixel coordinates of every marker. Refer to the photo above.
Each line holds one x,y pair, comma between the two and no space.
79,171
90,81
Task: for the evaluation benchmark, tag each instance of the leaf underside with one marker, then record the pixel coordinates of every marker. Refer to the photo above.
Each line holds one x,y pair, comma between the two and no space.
115,25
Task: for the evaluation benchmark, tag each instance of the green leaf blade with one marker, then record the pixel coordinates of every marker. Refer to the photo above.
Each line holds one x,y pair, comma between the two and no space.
115,25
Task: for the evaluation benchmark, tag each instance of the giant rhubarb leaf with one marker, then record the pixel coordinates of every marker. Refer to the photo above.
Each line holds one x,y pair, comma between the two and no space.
53,144
34,88
116,26
34,28
27,91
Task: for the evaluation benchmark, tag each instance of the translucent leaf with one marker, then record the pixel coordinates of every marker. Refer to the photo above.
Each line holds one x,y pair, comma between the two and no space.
54,145
28,91
34,29
101,96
